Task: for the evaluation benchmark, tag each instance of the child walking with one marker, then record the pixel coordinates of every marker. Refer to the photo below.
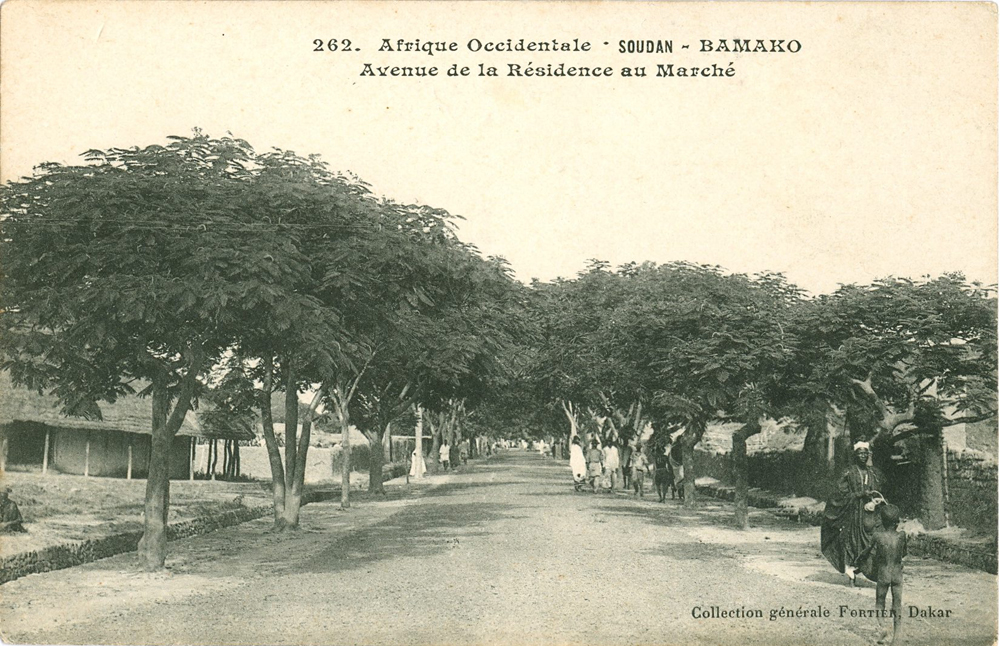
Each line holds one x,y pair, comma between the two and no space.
889,548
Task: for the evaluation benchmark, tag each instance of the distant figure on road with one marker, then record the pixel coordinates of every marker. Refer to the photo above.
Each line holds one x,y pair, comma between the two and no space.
676,460
663,477
640,464
849,519
463,451
10,515
414,461
612,464
595,464
577,463
444,455
625,457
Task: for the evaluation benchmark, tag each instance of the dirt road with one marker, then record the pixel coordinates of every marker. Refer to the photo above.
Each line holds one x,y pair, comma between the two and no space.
502,553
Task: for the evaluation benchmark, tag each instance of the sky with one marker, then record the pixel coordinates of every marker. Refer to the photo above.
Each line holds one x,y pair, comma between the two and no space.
870,152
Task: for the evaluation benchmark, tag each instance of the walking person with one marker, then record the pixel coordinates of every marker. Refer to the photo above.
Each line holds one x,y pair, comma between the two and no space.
676,460
577,463
444,455
640,464
612,464
850,519
888,549
595,464
663,476
625,458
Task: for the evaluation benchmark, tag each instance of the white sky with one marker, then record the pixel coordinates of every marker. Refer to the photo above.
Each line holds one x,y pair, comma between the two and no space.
871,152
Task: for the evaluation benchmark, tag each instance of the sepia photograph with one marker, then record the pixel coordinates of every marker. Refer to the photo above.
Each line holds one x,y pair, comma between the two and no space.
498,323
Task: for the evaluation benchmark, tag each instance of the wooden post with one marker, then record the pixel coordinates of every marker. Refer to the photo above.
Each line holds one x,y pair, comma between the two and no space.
128,472
3,454
86,457
191,460
45,453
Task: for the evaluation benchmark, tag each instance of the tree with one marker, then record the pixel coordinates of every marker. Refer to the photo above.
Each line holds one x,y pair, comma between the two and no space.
574,366
715,349
907,358
133,272
409,330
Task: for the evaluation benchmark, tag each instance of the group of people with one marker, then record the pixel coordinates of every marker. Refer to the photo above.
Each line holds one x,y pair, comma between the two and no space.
451,456
604,467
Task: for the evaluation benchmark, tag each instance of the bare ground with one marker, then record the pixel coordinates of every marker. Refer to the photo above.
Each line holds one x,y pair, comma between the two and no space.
59,507
502,553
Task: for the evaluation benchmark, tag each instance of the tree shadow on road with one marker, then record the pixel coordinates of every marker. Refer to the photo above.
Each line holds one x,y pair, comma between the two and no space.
418,531
773,544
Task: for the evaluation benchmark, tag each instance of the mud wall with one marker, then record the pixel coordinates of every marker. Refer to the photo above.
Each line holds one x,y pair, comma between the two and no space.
972,491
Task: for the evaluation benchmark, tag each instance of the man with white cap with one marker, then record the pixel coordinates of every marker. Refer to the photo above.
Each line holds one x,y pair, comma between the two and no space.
849,519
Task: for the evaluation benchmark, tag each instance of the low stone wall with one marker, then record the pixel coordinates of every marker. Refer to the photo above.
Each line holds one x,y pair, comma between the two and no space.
977,556
788,472
972,482
58,557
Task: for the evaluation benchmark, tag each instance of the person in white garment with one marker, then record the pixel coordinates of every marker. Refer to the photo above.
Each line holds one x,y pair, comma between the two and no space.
577,463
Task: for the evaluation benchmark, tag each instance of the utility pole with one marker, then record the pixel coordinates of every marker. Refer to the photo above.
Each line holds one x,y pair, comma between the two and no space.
418,462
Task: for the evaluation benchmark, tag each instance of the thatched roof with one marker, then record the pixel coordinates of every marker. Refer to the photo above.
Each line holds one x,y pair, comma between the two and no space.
128,414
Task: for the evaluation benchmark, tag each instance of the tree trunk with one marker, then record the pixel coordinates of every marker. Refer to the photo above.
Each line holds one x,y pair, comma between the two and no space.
291,424
739,466
433,464
688,441
214,451
153,544
932,513
418,446
273,452
345,473
574,425
341,403
375,462
293,494
227,460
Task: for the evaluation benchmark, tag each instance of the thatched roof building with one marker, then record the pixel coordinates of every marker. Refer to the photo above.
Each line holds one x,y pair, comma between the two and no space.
35,433
129,414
